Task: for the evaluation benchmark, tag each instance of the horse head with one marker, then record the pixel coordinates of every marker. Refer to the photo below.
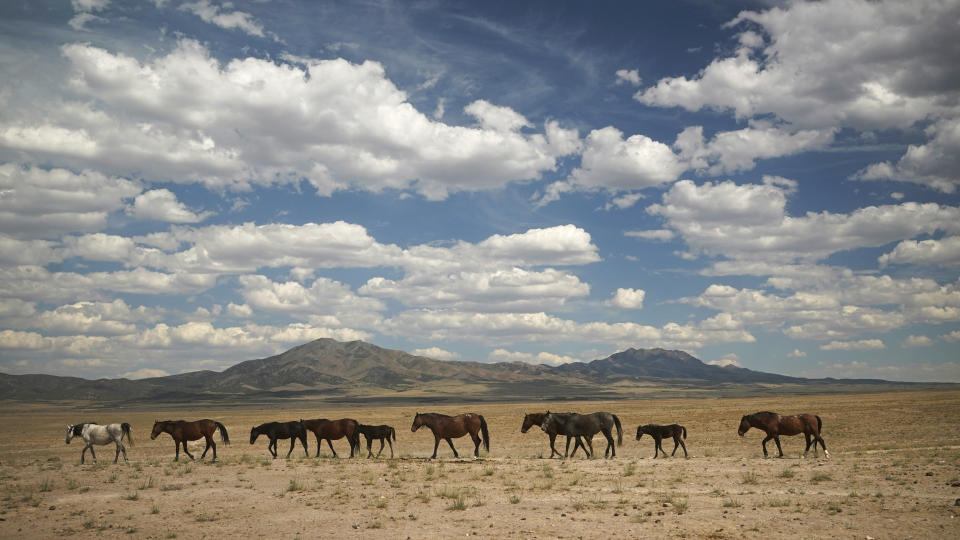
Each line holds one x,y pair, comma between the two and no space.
744,425
528,422
417,422
157,429
69,433
640,432
254,433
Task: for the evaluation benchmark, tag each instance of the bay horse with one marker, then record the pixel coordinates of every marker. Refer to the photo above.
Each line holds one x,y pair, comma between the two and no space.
536,419
182,431
775,425
586,425
281,430
663,432
96,434
453,427
383,433
335,429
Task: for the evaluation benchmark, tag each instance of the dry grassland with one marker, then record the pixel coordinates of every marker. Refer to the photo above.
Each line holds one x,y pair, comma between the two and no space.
894,473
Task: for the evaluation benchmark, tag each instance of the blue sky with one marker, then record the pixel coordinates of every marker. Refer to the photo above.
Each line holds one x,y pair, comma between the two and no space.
187,185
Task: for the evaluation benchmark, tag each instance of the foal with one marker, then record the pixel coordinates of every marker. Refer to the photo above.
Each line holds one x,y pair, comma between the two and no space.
662,432
384,433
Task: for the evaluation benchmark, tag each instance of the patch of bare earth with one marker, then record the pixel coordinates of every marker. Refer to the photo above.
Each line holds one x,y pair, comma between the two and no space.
894,472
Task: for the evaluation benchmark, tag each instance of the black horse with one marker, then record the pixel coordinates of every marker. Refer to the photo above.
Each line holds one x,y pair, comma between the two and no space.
536,419
281,430
586,425
663,432
384,433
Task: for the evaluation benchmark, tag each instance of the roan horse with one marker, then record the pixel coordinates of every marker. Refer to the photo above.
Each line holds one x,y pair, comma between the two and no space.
96,434
663,432
536,419
384,433
586,425
452,427
183,431
281,430
775,425
335,429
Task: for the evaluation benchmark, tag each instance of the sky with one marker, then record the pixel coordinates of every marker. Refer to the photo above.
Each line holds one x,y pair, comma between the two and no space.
772,185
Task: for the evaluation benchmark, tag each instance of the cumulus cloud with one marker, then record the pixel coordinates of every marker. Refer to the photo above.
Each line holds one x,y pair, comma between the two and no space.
735,151
628,76
848,84
616,164
730,359
796,353
41,203
861,345
162,205
627,299
934,164
218,16
942,252
917,341
184,117
503,355
436,353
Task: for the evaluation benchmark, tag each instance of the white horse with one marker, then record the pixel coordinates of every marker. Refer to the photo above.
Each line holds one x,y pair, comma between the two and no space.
96,434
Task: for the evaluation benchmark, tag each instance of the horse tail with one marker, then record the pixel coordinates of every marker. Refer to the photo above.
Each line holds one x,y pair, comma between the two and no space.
684,431
619,430
223,432
356,435
393,433
486,434
819,424
126,431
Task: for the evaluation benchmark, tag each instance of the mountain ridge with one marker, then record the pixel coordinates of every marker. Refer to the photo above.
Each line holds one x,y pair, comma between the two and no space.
330,369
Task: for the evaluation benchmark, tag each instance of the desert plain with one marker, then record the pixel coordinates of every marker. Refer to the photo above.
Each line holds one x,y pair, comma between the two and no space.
894,472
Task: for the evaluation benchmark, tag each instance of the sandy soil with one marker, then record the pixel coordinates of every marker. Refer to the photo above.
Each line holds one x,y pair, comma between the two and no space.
894,473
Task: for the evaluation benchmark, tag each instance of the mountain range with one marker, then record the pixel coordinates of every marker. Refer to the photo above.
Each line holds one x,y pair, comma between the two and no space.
357,371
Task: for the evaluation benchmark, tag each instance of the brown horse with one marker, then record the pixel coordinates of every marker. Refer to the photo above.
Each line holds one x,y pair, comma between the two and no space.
383,433
536,419
662,432
183,431
452,427
775,425
335,429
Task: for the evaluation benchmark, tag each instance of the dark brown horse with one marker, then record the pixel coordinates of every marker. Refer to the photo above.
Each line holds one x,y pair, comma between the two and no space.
775,425
663,432
383,433
335,429
281,430
452,427
536,419
183,431
586,425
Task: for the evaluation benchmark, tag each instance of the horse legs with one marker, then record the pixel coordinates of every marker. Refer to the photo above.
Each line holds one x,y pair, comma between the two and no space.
455,454
553,438
84,452
777,440
810,440
271,448
176,446
381,448
566,452
656,447
768,437
370,446
579,443
185,451
476,444
293,442
319,441
589,439
823,444
436,443
678,441
330,444
120,448
611,447
210,444
391,447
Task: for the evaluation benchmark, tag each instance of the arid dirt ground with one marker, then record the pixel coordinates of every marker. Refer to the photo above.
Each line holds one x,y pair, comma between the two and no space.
894,473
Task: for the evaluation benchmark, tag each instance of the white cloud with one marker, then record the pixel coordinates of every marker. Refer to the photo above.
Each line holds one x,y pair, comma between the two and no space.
184,118
952,337
942,252
796,353
616,164
791,74
325,298
628,76
627,299
436,353
750,222
663,235
917,341
213,14
39,203
162,205
144,373
730,359
503,355
934,164
861,345
735,151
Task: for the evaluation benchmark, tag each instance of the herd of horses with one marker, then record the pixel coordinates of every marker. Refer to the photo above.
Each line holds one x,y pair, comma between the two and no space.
579,427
